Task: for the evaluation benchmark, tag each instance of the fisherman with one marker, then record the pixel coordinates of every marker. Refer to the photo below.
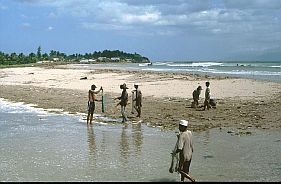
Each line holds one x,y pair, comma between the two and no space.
207,96
138,99
196,93
123,101
91,102
185,150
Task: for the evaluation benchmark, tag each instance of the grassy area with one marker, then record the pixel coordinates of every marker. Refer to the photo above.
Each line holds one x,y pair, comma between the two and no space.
33,65
18,65
59,63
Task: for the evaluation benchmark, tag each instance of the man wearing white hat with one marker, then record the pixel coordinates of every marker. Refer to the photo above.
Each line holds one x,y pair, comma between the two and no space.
185,150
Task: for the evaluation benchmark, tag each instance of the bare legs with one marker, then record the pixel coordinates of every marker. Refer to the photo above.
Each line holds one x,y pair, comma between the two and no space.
90,117
123,113
138,109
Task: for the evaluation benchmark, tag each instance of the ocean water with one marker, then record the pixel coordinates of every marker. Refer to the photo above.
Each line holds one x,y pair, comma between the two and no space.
266,70
36,145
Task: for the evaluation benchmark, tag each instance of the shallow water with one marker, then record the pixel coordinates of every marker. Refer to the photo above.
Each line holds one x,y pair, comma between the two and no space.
40,146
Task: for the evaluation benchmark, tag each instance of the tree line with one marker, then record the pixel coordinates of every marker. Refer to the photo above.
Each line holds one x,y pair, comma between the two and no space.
15,59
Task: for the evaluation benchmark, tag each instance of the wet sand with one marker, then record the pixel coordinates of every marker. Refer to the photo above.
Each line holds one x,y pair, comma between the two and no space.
167,97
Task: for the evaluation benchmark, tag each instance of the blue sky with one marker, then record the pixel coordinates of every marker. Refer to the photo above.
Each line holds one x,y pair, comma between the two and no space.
162,30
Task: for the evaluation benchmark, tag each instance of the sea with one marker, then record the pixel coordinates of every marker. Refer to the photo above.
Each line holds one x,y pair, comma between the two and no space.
261,70
40,145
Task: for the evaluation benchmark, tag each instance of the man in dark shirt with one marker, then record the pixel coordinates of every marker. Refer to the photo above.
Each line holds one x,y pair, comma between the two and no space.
138,99
196,93
123,101
207,96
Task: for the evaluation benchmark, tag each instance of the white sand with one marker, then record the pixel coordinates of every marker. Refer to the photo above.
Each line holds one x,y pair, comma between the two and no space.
70,79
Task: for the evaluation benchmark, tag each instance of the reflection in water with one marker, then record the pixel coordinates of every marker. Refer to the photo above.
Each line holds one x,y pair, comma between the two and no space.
63,151
125,141
207,137
103,141
124,145
138,137
92,146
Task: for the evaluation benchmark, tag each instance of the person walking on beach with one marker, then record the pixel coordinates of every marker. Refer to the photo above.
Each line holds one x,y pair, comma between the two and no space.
138,99
185,150
196,93
123,101
207,96
91,102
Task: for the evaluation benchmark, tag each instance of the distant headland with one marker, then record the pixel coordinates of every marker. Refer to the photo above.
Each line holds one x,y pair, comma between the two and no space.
60,57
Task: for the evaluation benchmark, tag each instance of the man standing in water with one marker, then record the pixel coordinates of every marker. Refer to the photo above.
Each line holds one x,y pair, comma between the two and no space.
91,102
207,96
123,101
138,99
185,150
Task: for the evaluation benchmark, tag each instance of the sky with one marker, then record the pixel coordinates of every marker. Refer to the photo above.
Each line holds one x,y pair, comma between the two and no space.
162,30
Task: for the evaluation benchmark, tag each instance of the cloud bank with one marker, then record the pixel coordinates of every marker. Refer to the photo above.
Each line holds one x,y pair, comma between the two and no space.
255,24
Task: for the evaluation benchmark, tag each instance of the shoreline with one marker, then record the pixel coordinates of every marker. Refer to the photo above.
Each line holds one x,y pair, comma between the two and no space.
242,104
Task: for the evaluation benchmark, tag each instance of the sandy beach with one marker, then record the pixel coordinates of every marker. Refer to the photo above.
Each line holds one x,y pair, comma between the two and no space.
167,97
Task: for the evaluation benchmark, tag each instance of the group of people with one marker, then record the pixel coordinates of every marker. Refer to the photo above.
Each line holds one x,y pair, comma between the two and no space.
137,101
184,145
124,98
196,93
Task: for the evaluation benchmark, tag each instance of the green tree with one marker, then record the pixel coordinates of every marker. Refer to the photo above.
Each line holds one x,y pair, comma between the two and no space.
53,54
45,56
2,58
39,53
32,58
21,58
14,57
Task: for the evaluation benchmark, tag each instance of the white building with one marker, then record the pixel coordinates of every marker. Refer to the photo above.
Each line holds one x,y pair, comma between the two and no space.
92,60
103,59
115,59
55,59
129,60
84,61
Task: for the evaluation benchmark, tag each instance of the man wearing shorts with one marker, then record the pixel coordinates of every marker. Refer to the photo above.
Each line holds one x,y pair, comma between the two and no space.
207,96
91,102
138,99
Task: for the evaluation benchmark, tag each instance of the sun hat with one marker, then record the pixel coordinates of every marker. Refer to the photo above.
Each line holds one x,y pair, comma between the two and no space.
93,86
183,122
136,84
124,86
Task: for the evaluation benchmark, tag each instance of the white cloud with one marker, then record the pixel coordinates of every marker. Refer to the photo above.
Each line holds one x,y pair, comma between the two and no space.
3,7
143,18
99,26
52,15
26,25
209,16
252,4
50,28
23,16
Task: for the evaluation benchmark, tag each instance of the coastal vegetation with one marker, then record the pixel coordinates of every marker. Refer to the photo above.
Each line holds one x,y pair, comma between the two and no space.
60,57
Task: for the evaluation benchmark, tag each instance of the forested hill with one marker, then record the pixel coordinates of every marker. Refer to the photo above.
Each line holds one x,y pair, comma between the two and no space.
115,54
56,56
